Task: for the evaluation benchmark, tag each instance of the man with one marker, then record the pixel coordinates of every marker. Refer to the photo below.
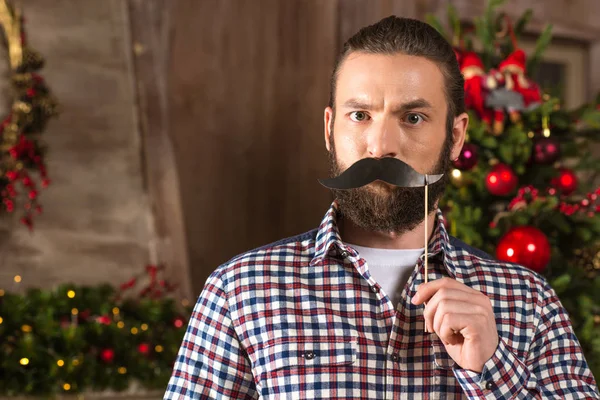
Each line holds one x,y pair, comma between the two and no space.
343,311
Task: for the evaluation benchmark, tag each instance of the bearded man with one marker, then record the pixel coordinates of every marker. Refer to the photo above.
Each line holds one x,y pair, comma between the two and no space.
343,311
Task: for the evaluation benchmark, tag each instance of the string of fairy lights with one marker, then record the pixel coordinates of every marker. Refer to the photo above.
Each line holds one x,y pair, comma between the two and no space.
107,354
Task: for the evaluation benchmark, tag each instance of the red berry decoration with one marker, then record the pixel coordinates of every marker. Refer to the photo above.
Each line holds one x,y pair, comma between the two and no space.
27,222
12,175
566,181
107,355
178,322
525,245
468,157
104,320
144,348
501,180
546,150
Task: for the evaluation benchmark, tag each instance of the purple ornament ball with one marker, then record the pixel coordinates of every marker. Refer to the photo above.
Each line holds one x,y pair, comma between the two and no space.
468,157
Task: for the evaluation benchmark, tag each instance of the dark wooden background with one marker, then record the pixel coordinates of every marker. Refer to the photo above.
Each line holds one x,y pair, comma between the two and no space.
231,96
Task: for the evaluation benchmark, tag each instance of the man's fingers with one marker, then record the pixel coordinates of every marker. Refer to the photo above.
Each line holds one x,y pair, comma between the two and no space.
441,295
451,326
454,328
452,307
426,290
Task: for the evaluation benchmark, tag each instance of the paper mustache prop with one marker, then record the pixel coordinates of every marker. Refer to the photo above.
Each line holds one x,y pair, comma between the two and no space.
390,170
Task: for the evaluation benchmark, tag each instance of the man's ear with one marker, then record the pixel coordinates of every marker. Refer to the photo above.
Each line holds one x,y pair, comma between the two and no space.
459,132
328,122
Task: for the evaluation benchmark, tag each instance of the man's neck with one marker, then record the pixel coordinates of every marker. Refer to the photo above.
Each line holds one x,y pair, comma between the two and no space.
414,239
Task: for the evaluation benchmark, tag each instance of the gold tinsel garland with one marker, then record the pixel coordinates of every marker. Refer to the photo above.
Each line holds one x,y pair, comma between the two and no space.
589,260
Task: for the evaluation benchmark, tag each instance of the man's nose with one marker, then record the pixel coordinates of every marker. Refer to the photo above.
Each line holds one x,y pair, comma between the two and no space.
382,139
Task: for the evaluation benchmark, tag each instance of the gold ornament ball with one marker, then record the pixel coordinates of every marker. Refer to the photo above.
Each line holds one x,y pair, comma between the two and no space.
458,179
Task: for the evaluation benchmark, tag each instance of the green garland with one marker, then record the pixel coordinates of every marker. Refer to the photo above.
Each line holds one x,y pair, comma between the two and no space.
79,339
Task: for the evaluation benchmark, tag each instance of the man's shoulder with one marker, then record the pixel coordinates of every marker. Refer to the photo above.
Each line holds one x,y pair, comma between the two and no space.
460,245
289,250
302,238
481,262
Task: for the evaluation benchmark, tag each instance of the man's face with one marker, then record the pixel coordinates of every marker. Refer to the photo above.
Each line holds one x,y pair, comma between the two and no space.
390,106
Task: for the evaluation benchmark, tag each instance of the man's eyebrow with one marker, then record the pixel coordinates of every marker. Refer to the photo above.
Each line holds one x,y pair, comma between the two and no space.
411,105
357,104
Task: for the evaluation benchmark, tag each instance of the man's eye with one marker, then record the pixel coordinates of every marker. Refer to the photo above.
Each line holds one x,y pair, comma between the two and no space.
358,116
413,118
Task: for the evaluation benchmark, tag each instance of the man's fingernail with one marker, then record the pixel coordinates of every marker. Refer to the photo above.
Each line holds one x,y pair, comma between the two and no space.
415,299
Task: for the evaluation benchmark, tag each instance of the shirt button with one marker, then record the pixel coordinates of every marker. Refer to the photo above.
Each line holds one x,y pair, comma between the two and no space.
395,357
374,289
344,254
309,355
489,385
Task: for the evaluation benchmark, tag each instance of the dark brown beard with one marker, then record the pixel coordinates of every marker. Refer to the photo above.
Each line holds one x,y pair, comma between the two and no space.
381,207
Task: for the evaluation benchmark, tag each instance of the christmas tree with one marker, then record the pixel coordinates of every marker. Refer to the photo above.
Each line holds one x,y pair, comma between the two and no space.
523,186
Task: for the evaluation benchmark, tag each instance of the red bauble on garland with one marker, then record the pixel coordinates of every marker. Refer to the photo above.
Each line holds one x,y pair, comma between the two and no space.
104,320
144,348
107,355
525,245
468,157
566,181
178,322
501,180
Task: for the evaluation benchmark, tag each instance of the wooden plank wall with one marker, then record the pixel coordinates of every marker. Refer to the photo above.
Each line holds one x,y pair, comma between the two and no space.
246,85
150,36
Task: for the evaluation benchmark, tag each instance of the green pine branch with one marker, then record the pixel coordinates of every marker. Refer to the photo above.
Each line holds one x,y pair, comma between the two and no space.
540,46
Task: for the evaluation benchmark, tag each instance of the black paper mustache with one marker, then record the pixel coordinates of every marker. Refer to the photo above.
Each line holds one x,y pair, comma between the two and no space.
388,169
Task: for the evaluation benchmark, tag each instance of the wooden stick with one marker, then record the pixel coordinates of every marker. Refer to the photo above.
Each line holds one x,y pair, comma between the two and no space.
426,225
426,244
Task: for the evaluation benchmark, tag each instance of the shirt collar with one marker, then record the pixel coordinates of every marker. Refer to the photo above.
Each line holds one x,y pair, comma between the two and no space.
328,243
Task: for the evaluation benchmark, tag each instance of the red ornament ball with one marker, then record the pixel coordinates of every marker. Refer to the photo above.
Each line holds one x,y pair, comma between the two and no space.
468,157
104,320
144,348
546,150
525,245
12,175
501,180
566,181
178,322
107,355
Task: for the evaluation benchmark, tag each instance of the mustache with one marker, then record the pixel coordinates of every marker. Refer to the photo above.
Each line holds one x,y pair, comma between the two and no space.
388,169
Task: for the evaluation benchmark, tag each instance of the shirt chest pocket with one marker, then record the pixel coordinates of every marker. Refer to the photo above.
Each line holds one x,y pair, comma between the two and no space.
302,367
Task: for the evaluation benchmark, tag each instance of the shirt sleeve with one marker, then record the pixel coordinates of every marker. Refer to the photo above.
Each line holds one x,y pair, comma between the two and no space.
211,363
555,366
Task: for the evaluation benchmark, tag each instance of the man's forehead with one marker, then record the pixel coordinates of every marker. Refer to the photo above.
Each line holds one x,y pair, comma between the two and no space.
396,78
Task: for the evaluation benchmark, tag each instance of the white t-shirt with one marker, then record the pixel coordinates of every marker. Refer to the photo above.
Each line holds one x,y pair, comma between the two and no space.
391,268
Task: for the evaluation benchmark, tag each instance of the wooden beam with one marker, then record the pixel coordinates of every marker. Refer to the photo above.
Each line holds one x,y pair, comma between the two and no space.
150,32
249,80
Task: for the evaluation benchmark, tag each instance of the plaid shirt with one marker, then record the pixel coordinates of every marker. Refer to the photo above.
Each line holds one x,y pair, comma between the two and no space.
303,318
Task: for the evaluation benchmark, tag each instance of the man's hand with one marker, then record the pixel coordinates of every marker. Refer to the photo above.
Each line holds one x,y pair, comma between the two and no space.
454,307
